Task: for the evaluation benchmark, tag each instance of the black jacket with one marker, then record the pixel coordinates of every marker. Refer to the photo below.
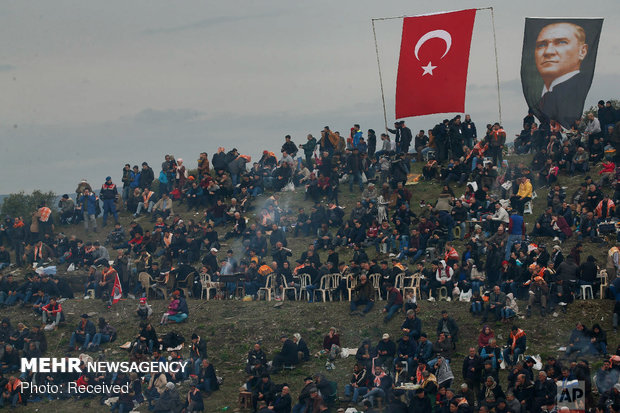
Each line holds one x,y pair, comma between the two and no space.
198,350
146,177
289,352
418,405
452,327
472,363
89,328
282,404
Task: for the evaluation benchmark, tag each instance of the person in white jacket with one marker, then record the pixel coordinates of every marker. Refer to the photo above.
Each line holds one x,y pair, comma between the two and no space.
443,276
499,217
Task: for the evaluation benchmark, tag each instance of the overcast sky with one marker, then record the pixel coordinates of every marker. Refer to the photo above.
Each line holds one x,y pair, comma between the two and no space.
89,86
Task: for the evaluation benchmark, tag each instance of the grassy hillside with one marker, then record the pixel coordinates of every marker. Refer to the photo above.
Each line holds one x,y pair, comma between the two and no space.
231,327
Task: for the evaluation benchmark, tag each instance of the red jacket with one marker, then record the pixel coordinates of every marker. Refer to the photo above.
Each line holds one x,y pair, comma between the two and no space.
54,309
81,382
608,167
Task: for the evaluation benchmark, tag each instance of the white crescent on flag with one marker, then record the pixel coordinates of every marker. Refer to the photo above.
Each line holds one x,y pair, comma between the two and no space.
434,34
439,34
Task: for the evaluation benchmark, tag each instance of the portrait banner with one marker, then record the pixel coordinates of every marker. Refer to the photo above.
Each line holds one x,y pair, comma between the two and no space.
557,66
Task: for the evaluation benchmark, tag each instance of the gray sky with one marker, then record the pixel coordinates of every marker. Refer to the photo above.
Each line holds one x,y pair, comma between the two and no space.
89,86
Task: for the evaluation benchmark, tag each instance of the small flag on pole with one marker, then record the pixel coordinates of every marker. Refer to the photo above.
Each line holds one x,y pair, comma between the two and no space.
117,290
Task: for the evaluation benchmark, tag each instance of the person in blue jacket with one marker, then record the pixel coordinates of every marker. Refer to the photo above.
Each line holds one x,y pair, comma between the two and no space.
88,203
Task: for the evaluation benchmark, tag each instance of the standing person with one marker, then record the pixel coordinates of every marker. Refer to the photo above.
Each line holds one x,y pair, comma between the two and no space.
180,175
516,232
470,135
356,135
440,134
308,149
147,176
88,205
496,146
420,143
372,142
17,233
126,180
354,166
396,131
108,195
81,187
405,137
203,165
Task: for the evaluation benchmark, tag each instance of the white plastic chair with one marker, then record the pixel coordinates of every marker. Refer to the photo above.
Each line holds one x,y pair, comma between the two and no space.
305,280
287,288
375,279
207,286
268,288
324,287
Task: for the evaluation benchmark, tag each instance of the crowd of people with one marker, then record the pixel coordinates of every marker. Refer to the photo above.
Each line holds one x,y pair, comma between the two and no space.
473,246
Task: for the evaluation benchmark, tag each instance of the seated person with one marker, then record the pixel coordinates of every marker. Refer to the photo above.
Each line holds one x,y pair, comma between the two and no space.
84,332
286,356
52,311
162,208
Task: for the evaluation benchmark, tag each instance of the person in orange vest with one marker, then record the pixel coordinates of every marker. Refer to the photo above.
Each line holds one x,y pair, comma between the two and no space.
148,201
605,209
497,138
516,344
108,277
13,393
539,289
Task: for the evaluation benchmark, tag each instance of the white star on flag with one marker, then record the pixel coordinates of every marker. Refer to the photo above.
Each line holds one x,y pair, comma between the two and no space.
428,69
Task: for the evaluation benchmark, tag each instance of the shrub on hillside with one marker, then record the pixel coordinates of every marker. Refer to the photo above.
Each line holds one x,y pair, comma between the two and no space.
22,204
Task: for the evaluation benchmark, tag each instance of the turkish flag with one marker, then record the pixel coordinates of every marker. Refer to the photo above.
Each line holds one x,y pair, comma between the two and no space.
117,290
432,69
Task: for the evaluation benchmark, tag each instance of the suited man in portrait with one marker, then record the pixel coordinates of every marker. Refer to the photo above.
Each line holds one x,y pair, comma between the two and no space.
559,51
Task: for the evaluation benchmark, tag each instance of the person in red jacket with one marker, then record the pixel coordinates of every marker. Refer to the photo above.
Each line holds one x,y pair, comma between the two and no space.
52,311
608,174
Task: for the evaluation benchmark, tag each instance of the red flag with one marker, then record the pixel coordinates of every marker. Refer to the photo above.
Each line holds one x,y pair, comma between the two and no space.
432,69
117,290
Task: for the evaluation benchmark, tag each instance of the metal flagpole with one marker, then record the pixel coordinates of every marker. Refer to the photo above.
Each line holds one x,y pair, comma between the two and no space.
499,102
374,33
